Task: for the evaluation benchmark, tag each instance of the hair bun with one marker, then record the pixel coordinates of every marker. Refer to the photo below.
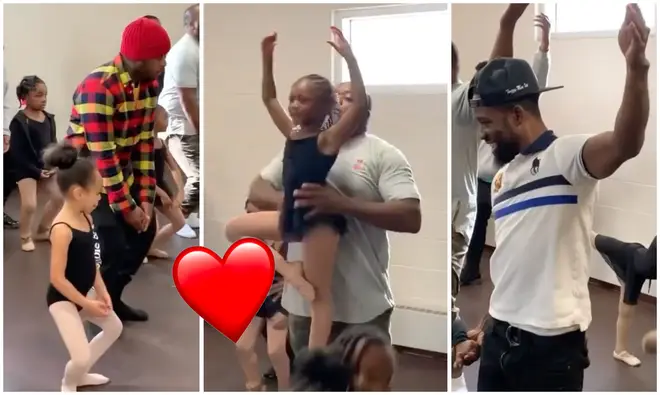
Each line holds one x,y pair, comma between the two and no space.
62,156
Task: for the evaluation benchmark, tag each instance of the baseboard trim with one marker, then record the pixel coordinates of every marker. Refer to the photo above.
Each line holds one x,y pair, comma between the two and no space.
422,353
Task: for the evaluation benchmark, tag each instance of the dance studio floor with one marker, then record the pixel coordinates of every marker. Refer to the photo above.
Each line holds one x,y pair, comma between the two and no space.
159,355
605,373
222,373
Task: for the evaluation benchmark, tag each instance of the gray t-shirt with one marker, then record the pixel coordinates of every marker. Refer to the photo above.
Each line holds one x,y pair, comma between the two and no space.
368,168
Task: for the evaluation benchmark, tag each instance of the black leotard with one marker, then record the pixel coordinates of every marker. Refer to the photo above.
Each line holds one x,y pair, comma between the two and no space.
83,256
304,163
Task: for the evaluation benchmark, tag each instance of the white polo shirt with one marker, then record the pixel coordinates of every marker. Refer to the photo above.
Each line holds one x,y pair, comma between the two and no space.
543,204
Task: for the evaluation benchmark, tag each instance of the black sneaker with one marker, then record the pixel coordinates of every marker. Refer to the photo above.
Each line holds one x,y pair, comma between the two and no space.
127,313
270,375
9,222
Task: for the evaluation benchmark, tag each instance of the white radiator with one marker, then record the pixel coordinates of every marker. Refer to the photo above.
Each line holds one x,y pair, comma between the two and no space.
421,329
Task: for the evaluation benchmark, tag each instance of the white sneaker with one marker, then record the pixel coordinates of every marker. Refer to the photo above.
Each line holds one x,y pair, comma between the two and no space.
186,232
193,220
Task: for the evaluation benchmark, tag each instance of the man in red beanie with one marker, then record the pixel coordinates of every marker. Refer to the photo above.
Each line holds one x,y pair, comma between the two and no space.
112,122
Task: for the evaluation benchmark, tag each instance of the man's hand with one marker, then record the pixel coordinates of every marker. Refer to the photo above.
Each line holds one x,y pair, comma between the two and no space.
543,22
466,352
136,219
5,140
45,174
148,210
512,14
633,37
323,199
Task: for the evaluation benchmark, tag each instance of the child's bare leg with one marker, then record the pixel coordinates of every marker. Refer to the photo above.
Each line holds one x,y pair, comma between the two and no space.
623,322
265,225
277,330
52,207
27,189
247,356
176,222
262,225
319,251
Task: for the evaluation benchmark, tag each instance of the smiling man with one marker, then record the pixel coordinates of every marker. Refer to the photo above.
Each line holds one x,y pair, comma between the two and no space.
376,191
543,205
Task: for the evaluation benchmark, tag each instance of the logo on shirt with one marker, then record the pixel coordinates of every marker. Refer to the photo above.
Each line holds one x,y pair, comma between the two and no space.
497,182
359,164
536,163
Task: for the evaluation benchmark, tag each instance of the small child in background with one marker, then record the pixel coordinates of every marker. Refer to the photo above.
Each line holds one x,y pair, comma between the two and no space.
32,130
360,359
167,203
77,292
274,317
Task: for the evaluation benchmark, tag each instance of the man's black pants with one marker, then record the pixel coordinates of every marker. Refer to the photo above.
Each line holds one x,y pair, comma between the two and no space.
517,360
123,248
478,240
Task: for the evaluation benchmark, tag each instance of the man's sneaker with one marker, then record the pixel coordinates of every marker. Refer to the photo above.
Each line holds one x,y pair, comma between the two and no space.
186,232
9,222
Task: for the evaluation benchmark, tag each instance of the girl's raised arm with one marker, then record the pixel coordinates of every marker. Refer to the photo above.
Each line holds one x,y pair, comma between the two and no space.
332,139
268,91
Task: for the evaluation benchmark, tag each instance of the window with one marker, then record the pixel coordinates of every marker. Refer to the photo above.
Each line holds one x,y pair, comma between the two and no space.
591,18
400,45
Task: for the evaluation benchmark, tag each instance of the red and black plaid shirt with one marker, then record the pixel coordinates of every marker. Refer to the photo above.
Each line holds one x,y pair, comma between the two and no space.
113,120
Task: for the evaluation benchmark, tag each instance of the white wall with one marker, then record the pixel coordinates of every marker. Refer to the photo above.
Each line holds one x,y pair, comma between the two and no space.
240,138
592,71
62,43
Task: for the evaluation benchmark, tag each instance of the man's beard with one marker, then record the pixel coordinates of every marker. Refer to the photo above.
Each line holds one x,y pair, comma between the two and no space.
504,152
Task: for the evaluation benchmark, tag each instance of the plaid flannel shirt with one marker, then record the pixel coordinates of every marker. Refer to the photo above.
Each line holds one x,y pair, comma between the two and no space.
112,120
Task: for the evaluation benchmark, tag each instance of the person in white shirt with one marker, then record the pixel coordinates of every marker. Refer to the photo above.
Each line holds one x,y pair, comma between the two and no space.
180,98
9,181
487,168
464,143
543,205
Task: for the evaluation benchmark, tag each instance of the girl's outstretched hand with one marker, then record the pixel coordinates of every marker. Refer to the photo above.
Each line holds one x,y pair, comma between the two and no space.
339,43
268,44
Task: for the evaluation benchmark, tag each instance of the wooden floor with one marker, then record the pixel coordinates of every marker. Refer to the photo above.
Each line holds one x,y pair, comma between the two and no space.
414,371
605,373
159,355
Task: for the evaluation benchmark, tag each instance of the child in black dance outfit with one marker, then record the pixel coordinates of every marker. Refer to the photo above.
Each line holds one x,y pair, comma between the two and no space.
167,202
360,359
32,130
313,140
76,292
273,316
633,265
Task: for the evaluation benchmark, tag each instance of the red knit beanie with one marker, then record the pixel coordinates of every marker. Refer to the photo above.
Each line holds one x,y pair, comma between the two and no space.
144,39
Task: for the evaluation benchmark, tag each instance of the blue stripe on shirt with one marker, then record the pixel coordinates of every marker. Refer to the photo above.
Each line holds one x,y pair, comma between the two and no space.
536,202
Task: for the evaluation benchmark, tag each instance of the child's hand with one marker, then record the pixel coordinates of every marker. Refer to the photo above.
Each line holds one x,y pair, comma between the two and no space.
96,308
45,174
268,44
106,299
339,43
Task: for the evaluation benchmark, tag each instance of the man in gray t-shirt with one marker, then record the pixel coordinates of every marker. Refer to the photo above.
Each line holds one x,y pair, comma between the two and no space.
372,184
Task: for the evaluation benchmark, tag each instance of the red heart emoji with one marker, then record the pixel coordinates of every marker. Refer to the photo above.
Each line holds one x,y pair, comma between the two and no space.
226,293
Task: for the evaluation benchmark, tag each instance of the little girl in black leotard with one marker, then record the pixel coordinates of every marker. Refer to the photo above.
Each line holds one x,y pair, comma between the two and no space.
76,292
313,141
167,202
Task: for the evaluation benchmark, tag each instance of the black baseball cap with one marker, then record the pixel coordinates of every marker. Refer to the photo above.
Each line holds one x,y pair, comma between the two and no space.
504,81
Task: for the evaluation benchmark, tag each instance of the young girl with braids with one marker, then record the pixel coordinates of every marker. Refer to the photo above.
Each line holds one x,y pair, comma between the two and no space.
313,139
167,203
77,292
360,359
32,130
